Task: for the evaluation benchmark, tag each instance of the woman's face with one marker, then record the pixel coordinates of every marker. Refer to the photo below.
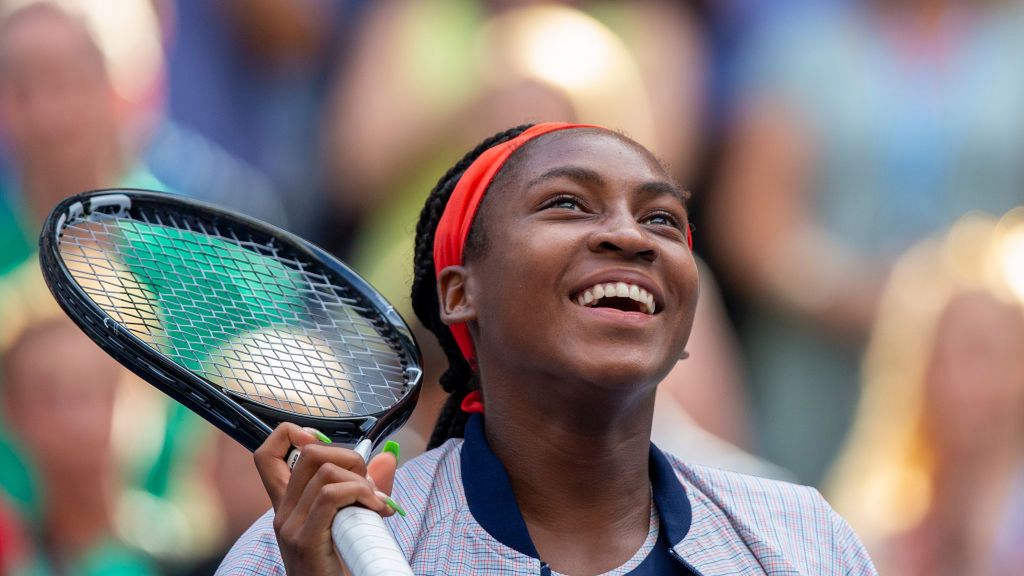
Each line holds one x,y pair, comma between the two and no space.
975,386
583,209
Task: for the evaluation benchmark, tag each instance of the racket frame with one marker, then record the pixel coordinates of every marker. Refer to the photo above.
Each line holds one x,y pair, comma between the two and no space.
246,421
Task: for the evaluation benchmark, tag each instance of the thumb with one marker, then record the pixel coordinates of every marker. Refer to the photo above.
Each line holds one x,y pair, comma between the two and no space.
381,468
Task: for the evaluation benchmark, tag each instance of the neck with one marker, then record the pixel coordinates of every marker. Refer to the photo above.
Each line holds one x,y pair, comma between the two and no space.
576,468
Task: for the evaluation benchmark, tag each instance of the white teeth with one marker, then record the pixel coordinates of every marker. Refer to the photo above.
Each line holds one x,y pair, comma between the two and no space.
591,296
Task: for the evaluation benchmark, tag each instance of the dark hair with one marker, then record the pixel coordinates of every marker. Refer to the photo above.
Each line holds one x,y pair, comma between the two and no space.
458,380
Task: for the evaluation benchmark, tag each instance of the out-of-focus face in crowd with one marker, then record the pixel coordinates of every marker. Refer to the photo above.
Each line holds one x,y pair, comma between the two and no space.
975,384
56,102
58,391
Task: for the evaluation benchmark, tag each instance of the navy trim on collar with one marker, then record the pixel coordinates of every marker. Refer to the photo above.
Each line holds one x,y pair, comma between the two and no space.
489,492
670,498
493,505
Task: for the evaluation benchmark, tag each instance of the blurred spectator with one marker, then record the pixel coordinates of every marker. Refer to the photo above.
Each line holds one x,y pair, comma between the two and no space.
69,125
61,413
57,113
59,121
252,76
933,477
864,126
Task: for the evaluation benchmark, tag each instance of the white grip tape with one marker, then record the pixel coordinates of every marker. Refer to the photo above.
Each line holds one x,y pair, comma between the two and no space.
366,544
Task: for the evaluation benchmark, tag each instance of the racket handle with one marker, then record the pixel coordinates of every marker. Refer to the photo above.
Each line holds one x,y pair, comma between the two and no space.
366,544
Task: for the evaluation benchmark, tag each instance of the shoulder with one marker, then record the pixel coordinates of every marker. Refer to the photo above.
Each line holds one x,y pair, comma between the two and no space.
429,487
779,522
744,492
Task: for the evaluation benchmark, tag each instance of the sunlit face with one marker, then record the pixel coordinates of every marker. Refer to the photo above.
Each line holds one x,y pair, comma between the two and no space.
56,103
586,275
975,383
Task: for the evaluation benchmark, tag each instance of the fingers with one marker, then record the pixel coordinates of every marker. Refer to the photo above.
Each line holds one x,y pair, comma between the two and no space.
307,496
269,458
314,457
332,497
381,470
325,479
342,487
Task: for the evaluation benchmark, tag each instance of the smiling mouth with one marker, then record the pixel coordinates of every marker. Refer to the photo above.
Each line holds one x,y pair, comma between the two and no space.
618,295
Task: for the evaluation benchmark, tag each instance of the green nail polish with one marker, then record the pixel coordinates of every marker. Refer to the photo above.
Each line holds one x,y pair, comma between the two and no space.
393,447
320,436
394,506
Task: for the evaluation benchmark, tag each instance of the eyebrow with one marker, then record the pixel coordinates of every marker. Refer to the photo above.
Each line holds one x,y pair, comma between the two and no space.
663,188
586,176
578,174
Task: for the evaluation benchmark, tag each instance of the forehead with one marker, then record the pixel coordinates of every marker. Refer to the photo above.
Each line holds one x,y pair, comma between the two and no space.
42,35
612,156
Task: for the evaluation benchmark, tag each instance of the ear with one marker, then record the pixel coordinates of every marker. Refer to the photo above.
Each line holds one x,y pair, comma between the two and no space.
456,303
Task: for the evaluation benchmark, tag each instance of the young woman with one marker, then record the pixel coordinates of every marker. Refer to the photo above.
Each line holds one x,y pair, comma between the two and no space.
933,475
553,265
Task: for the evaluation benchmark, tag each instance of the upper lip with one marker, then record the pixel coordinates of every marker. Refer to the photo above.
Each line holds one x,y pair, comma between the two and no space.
619,275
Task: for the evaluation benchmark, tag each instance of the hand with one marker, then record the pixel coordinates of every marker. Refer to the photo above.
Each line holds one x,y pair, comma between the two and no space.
306,498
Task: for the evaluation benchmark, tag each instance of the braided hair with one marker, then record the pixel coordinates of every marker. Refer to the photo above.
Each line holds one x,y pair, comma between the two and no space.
458,380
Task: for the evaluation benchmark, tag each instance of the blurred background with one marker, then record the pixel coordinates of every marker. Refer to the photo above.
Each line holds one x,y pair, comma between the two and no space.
857,169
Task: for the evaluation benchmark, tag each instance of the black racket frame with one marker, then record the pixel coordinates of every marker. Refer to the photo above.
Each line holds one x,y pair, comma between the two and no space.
248,422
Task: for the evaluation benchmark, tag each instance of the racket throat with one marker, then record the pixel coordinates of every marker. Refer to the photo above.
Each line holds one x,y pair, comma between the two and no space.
363,448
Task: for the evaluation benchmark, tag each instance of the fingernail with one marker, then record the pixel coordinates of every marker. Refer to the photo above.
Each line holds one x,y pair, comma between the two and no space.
391,503
319,435
393,447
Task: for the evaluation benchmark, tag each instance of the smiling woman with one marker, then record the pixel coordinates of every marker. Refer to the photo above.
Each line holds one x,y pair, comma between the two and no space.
553,264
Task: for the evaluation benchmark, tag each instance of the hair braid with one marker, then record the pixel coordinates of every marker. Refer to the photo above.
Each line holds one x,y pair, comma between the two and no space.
458,379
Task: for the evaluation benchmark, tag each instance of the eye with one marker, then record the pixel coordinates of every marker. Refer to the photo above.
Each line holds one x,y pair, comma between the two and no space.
662,219
565,202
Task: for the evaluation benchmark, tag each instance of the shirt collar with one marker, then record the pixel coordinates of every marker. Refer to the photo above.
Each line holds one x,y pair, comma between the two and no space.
489,493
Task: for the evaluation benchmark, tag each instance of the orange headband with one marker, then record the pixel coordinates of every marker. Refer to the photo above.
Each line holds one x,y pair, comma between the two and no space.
457,219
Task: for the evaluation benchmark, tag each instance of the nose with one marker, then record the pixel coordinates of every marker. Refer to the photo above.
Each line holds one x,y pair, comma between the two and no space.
622,235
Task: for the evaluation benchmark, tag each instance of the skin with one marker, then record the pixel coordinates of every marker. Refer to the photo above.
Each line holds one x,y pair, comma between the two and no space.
975,382
57,107
61,413
569,390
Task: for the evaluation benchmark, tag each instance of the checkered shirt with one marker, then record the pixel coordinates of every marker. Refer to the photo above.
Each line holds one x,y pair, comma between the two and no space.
741,525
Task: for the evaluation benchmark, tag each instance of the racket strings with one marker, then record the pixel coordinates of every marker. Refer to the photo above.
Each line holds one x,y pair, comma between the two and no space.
245,314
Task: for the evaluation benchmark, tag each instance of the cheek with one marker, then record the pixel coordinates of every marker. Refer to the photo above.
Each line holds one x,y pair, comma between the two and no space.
684,278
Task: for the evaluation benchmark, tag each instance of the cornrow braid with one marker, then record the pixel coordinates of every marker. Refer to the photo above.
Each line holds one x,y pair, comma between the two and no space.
458,380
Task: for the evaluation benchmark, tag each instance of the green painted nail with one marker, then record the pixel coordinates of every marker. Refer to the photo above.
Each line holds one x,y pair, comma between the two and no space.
394,448
320,435
394,506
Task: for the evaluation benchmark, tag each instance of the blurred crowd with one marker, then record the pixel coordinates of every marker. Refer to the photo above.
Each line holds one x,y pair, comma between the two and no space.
857,170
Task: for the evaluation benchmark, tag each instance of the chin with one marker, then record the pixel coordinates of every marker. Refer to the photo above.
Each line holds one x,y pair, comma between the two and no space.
623,371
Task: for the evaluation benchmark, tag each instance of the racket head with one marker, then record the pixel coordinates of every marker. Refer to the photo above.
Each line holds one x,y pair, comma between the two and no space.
243,323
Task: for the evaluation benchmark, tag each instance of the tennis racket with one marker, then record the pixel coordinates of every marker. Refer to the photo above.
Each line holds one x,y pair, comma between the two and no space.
243,323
